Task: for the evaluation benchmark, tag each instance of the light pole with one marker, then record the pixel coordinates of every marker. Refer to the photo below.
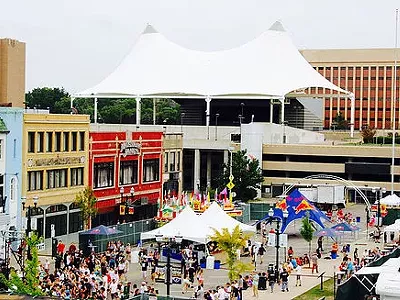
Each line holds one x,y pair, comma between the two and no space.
132,191
277,220
121,192
29,209
169,241
216,126
379,191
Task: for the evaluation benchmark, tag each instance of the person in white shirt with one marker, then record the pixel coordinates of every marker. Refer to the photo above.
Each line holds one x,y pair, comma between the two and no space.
114,289
298,275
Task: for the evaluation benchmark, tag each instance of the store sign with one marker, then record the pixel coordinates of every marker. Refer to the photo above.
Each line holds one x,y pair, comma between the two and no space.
130,148
55,161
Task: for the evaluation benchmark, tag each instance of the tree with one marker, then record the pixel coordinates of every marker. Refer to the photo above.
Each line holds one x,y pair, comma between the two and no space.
29,285
46,97
340,122
86,201
247,175
368,134
307,231
230,243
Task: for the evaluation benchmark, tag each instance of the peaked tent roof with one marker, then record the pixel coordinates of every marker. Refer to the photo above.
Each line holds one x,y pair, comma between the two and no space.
391,199
186,224
269,66
216,218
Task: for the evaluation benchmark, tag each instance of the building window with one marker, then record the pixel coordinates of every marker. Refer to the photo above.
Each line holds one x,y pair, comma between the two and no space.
128,172
81,141
15,149
39,141
49,142
151,170
31,142
172,163
76,176
13,189
103,175
35,180
65,141
58,142
166,162
56,178
74,141
178,161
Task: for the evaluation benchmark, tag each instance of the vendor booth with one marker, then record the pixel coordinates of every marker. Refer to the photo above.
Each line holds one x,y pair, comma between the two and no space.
392,232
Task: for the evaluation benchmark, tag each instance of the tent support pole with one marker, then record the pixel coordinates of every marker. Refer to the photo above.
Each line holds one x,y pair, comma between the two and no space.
271,111
95,111
154,110
138,110
208,102
352,112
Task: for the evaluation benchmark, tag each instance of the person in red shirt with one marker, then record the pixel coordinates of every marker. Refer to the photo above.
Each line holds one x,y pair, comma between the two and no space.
60,247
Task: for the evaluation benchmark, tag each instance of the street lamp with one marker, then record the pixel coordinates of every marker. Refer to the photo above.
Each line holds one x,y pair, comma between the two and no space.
379,191
216,126
132,191
122,191
29,210
277,220
169,241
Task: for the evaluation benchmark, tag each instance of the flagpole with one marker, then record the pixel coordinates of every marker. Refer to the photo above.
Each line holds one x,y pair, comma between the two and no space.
394,101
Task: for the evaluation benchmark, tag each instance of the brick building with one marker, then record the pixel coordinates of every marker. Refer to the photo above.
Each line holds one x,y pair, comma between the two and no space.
12,73
369,74
125,170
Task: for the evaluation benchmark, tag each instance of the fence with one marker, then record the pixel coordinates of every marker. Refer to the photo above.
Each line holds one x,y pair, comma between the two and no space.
130,233
258,210
148,297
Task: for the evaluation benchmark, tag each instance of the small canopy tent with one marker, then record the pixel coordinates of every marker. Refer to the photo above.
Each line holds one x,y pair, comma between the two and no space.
186,224
392,200
216,218
345,227
101,230
297,206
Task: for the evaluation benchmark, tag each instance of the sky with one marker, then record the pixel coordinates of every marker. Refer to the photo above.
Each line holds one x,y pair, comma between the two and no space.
76,43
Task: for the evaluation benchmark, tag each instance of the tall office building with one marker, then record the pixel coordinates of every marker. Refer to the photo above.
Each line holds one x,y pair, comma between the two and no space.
369,74
12,73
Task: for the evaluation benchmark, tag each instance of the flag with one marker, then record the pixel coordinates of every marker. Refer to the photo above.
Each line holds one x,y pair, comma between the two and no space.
224,192
122,209
208,198
131,210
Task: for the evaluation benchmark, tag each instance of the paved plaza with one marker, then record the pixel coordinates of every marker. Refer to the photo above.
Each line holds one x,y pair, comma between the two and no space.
219,277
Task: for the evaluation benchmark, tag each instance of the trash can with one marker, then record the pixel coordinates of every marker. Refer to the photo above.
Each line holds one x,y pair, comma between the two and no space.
333,255
217,264
358,219
203,263
210,262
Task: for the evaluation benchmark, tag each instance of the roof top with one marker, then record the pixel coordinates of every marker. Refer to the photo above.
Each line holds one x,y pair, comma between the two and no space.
270,66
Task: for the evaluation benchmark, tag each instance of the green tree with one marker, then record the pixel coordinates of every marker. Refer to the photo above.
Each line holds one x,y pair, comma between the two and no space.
306,231
86,201
45,97
29,285
368,134
340,122
230,243
247,175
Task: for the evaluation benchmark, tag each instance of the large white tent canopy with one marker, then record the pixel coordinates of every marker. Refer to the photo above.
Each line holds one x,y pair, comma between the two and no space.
392,200
268,66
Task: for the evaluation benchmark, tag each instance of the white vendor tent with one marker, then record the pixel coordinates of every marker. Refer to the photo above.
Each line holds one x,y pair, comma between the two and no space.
395,227
392,200
216,218
387,285
186,224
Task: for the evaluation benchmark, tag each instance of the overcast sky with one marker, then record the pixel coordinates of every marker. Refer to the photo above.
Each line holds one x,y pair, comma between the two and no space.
76,43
